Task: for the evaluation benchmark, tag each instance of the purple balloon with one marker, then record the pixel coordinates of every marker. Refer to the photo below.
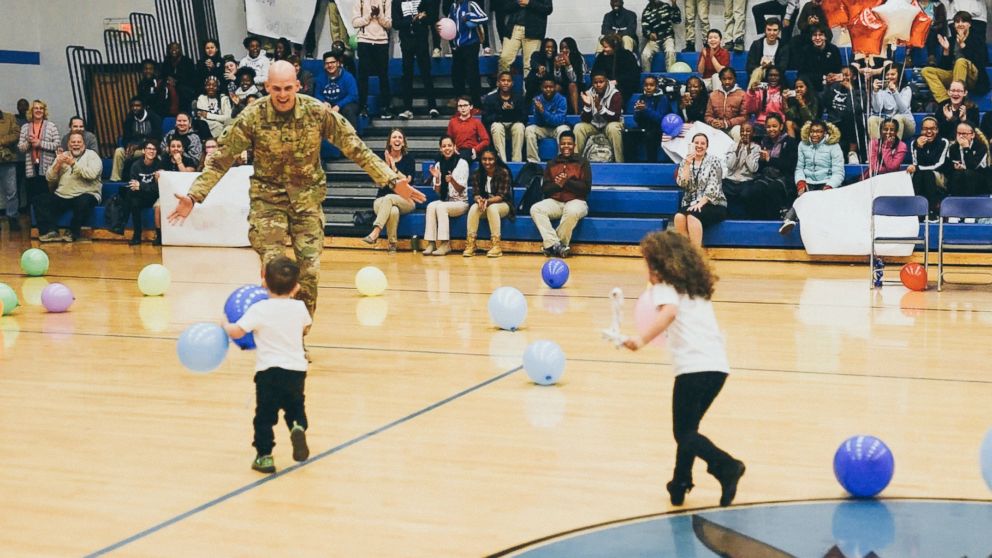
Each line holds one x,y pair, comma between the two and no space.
56,297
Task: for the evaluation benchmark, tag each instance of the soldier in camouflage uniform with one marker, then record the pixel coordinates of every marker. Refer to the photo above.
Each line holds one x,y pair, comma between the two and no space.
289,186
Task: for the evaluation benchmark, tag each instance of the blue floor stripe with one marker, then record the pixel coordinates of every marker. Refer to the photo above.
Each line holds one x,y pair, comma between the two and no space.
288,470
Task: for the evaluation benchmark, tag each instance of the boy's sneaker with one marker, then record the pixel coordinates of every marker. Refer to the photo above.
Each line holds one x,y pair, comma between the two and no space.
552,251
50,236
853,159
406,115
386,115
436,53
564,251
786,227
298,437
65,236
434,113
264,464
739,44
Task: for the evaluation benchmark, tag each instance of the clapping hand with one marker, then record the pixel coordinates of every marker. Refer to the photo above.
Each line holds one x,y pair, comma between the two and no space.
560,179
538,105
586,99
134,185
943,42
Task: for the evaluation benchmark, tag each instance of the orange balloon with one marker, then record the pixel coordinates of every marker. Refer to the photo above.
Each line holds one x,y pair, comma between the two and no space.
867,33
836,12
921,28
913,276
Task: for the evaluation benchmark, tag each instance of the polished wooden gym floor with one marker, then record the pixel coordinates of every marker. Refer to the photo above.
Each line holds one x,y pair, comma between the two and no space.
426,437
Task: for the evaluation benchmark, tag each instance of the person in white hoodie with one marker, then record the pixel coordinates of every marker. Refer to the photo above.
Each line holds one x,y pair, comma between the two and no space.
889,101
256,60
372,20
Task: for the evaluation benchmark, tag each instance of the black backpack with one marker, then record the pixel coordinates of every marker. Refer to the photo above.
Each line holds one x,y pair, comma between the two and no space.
116,214
531,177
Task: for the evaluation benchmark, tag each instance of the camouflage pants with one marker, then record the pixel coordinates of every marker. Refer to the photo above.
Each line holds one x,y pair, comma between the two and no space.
270,220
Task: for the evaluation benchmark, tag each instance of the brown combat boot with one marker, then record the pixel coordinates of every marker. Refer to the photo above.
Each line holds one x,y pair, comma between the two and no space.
469,246
495,251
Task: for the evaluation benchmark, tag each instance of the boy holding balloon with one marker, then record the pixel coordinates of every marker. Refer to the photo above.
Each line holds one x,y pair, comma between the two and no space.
278,324
681,289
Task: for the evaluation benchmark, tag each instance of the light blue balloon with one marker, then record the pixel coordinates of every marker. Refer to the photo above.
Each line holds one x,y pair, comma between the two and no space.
986,459
202,347
507,308
544,362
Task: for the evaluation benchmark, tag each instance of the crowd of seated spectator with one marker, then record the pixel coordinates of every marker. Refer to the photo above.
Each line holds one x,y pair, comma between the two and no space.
781,128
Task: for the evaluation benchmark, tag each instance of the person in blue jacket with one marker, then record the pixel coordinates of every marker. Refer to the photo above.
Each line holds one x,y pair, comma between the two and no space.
549,110
337,88
820,165
649,107
469,21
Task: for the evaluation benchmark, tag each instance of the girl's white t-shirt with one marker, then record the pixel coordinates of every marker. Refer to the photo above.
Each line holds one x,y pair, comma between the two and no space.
278,325
694,338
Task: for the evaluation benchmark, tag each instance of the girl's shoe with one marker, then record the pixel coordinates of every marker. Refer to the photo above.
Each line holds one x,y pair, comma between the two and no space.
677,490
264,464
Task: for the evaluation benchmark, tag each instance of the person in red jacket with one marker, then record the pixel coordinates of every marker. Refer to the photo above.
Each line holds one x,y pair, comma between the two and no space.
468,132
726,110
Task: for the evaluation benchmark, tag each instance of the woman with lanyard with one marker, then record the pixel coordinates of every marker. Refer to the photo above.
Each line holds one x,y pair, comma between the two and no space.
39,140
703,203
492,187
389,206
450,179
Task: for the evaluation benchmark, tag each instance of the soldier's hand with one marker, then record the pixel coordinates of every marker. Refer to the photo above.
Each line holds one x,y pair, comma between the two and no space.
182,210
407,192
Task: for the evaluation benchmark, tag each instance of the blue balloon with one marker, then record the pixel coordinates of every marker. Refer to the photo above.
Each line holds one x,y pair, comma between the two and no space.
202,347
671,124
555,273
238,303
863,465
507,308
986,459
544,362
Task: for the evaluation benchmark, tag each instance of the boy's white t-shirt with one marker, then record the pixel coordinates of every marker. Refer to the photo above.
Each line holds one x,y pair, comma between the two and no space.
694,338
278,325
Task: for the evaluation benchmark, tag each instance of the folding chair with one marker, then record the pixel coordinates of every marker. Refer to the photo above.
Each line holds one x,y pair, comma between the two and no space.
962,208
898,206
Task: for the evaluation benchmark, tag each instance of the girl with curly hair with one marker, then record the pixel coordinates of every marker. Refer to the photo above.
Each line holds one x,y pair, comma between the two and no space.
681,289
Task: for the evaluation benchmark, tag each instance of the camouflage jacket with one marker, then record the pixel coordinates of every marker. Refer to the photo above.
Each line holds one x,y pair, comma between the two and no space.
287,152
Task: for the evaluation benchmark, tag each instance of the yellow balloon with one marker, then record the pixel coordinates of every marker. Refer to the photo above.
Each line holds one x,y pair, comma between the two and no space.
154,280
371,281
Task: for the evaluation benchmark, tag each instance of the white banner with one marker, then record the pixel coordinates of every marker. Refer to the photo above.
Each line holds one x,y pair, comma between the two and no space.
836,222
221,220
280,18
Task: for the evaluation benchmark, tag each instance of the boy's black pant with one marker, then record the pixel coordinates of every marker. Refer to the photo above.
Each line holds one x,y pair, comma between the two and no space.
277,388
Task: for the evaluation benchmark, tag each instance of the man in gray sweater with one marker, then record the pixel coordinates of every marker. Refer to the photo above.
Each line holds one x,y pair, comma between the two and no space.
74,185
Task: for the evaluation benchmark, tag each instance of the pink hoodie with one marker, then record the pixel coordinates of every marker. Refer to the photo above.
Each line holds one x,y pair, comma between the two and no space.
770,98
892,157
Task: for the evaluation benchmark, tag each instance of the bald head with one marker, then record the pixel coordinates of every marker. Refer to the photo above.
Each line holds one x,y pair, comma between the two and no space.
282,85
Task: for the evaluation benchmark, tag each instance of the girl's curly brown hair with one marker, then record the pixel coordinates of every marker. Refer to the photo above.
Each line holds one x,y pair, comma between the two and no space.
674,260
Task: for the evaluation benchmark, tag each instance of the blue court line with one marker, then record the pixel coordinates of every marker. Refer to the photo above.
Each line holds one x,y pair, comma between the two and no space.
288,470
20,57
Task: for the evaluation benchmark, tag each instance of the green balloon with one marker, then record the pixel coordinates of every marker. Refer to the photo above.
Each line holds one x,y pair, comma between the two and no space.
34,262
353,42
9,298
154,280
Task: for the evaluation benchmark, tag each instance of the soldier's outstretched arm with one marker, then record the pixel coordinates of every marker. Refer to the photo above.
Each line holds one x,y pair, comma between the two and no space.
340,132
236,139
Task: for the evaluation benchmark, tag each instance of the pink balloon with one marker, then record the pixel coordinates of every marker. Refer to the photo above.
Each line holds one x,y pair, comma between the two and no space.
446,28
644,314
57,298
